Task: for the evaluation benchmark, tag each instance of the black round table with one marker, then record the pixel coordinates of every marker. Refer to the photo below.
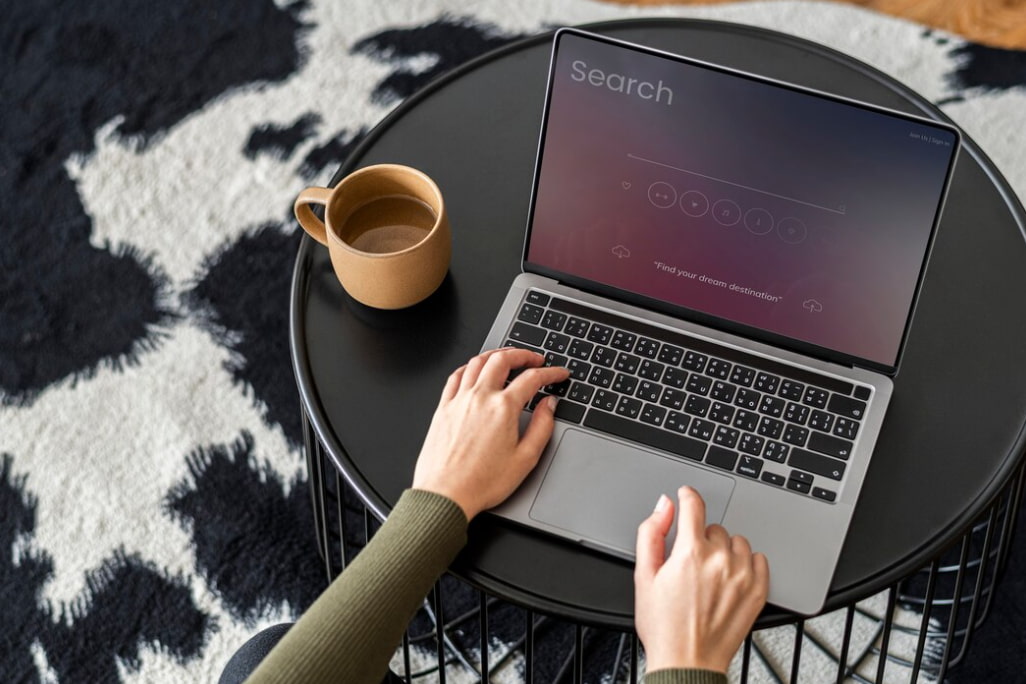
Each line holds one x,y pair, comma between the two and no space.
369,380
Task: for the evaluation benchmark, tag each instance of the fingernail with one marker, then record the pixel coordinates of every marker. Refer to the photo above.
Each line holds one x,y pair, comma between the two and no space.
551,401
662,503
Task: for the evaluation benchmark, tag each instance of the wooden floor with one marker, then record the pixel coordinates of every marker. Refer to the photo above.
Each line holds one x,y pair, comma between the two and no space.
999,23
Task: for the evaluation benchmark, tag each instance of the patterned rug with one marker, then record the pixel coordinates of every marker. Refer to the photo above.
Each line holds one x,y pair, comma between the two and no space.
154,510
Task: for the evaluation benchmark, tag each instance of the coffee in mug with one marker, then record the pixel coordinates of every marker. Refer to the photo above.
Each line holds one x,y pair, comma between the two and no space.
387,232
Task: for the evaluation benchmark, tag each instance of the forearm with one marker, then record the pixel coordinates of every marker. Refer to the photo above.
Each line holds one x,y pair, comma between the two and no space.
351,631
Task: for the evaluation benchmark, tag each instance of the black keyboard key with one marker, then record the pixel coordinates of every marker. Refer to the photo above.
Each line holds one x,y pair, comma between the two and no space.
800,476
726,437
623,340
773,478
722,391
698,384
557,342
646,434
625,384
579,349
765,382
696,405
649,391
742,375
538,298
847,407
675,377
814,463
677,422
721,413
721,458
751,444
846,428
789,389
528,334
821,420
553,360
824,494
581,393
815,396
576,327
772,406
651,370
746,420
862,392
570,412
600,334
749,466
770,427
559,389
718,368
529,313
554,320
626,363
694,361
579,370
605,400
747,399
603,356
796,413
652,414
671,354
628,408
702,429
796,435
775,451
831,446
520,345
647,347
673,398
601,377
798,486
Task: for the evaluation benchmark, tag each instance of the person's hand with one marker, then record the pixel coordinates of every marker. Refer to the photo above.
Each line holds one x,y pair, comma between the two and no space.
694,609
474,452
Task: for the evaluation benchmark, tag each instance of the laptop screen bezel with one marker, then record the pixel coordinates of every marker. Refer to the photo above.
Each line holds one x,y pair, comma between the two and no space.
700,317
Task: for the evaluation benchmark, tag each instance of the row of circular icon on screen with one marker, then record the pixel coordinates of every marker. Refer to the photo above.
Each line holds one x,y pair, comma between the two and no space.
727,212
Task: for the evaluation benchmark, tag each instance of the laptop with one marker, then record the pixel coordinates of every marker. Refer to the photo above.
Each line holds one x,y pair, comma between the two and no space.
728,265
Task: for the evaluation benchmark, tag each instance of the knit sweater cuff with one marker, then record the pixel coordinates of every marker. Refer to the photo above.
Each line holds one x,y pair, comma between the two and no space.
685,677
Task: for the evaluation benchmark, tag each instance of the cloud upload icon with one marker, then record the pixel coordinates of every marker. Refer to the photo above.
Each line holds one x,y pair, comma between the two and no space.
621,252
812,306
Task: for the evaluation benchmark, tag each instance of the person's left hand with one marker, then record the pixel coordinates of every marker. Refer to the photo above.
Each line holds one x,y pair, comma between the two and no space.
474,453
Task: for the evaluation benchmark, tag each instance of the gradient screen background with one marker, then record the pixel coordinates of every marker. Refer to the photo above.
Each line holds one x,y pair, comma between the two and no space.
799,215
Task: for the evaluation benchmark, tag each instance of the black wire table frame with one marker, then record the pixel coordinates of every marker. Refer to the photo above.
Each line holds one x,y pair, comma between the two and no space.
951,596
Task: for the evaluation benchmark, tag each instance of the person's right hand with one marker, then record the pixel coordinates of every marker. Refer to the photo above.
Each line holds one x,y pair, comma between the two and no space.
694,609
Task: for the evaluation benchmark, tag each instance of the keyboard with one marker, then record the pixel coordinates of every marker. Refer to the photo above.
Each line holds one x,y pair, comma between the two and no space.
774,423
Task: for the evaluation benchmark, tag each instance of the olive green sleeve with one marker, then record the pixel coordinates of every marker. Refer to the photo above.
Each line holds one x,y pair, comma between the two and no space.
685,677
350,633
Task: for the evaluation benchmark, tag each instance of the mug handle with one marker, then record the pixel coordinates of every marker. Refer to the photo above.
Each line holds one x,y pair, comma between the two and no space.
304,214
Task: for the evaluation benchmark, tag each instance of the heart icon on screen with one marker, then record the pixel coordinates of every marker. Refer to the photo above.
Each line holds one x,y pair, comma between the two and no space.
626,185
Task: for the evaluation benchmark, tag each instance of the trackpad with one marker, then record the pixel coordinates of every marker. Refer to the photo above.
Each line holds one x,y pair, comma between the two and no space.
600,490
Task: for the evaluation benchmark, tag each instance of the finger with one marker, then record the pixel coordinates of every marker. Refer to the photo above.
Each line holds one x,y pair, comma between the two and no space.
452,384
527,384
538,431
473,369
498,366
718,535
691,525
650,549
760,564
740,547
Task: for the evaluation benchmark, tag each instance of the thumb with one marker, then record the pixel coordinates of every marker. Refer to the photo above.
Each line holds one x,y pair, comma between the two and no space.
651,545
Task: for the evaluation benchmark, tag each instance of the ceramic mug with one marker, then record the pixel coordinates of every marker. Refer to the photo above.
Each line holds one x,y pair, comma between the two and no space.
387,232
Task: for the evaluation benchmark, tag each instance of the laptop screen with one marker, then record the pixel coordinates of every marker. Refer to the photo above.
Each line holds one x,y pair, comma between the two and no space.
784,213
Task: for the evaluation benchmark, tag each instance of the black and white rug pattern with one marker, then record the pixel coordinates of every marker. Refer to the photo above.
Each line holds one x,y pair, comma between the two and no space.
153,503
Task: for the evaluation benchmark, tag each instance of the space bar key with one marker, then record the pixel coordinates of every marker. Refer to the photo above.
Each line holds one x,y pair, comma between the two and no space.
650,436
